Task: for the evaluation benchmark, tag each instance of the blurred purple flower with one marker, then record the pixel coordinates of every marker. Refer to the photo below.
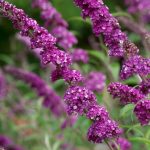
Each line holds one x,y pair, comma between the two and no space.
51,99
5,141
65,39
95,81
80,55
139,6
123,144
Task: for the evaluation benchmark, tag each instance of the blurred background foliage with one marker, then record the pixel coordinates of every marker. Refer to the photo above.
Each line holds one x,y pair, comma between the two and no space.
37,128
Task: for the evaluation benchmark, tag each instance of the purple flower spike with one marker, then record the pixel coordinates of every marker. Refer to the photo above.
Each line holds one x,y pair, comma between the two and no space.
97,112
52,18
102,130
80,55
135,65
78,99
142,111
72,76
95,81
49,13
57,57
104,23
39,36
51,100
65,39
125,93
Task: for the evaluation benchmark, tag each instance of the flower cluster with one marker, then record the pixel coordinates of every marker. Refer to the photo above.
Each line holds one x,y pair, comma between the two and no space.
95,81
97,113
104,23
142,111
65,39
80,55
49,14
39,36
135,65
141,6
125,93
102,130
7,143
77,98
51,100
3,86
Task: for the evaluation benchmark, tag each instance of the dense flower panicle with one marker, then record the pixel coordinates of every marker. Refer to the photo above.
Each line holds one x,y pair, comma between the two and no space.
80,55
96,112
144,86
135,65
65,39
57,57
78,99
95,81
104,23
72,76
142,111
5,141
102,130
3,86
125,93
49,13
123,144
39,36
51,99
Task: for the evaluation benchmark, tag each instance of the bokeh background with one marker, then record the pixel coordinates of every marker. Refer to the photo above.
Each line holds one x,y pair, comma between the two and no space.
22,116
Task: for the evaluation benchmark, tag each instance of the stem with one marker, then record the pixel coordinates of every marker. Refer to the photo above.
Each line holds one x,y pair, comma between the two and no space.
107,143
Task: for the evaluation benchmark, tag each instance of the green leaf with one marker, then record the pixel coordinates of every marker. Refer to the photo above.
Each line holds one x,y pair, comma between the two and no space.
126,110
140,139
98,55
6,59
